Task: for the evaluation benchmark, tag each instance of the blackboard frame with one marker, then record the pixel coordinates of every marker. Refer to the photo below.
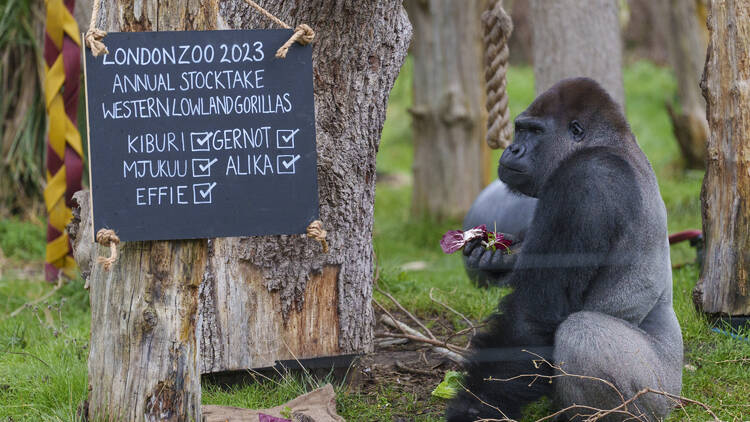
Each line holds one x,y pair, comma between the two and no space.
279,202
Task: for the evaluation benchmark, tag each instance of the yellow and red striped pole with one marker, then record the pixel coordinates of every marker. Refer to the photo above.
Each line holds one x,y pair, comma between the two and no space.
62,56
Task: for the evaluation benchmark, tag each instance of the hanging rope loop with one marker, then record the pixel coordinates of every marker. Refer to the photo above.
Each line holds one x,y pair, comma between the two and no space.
497,29
303,34
315,231
107,237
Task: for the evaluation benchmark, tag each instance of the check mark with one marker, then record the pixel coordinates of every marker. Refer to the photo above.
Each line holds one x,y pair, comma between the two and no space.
290,136
205,192
203,141
205,167
290,163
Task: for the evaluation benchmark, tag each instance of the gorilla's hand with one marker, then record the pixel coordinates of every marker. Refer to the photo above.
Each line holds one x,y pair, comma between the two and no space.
500,260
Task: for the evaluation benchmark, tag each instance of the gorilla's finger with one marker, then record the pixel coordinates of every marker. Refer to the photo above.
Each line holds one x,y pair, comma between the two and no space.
475,257
485,262
470,246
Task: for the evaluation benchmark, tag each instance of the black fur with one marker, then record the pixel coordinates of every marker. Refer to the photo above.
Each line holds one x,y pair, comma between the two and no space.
596,243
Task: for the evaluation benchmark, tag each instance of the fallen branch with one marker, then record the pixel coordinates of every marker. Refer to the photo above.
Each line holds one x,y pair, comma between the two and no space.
401,366
409,314
466,320
450,351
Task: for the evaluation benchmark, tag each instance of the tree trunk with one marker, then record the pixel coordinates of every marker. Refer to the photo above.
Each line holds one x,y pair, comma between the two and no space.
449,115
723,287
261,298
278,297
577,38
688,42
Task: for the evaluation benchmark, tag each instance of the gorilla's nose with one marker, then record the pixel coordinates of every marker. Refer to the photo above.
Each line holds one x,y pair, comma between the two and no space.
516,150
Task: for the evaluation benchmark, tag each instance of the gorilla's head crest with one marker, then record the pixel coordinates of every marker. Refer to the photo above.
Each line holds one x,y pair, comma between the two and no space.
574,114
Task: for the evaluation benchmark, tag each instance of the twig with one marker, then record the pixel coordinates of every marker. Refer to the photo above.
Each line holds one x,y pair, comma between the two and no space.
468,322
598,413
58,286
400,365
409,314
740,360
423,339
464,331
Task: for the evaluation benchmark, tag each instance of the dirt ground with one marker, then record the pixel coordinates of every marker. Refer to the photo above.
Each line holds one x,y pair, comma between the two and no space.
409,371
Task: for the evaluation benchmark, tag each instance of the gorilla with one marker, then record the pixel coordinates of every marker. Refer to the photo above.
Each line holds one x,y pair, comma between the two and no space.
504,211
591,281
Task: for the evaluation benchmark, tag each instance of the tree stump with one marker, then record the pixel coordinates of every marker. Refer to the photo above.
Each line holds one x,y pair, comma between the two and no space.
723,288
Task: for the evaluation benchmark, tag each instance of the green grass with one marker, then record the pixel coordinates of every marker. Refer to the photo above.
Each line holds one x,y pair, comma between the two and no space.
31,390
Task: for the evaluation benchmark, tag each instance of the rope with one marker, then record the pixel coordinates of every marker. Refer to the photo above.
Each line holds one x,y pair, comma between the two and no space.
107,237
94,35
497,29
303,34
62,65
315,231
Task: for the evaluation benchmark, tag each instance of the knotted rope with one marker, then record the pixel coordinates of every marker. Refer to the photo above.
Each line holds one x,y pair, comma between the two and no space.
107,237
315,231
497,29
303,34
94,35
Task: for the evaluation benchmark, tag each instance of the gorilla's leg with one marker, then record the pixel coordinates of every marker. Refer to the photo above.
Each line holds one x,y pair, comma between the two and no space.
597,345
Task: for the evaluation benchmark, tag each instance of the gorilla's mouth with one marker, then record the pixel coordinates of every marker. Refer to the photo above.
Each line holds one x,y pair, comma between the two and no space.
511,169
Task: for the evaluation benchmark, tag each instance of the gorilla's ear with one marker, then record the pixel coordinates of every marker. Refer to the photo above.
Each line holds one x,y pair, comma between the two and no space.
576,130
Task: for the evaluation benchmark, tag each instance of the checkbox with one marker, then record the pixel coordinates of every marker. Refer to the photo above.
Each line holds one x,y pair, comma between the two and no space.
285,138
202,167
202,192
199,141
285,164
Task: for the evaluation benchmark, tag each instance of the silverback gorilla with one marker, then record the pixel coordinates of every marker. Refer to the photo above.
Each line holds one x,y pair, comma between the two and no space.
592,283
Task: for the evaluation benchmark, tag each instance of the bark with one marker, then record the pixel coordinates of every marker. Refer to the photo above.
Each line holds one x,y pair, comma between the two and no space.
577,38
723,286
143,358
279,297
449,114
688,42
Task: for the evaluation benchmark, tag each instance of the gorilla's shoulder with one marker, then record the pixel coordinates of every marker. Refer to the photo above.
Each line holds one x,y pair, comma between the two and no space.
601,176
600,165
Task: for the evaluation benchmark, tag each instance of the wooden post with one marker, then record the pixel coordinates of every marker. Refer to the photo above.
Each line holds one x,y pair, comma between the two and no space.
451,156
143,361
724,288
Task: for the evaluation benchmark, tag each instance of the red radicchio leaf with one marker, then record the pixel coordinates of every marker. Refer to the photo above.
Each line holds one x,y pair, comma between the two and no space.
454,240
500,242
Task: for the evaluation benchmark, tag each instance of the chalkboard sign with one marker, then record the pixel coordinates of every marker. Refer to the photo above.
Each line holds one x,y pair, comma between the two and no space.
201,134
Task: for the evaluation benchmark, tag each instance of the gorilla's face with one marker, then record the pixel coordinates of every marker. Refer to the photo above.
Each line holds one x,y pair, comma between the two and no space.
539,145
571,115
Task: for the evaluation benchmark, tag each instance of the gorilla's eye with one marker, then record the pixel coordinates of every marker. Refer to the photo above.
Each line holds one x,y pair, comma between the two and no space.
576,130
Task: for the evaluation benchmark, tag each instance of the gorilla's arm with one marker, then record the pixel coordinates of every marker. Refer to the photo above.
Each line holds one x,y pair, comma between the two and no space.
578,221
